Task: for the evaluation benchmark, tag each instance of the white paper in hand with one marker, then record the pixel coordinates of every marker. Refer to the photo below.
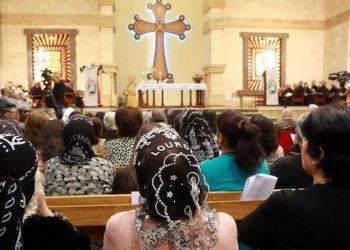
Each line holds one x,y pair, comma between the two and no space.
258,187
135,197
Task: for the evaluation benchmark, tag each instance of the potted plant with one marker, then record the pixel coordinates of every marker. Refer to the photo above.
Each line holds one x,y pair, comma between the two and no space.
197,78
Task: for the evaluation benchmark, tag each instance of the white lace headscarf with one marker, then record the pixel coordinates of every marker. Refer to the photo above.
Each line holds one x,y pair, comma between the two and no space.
195,130
173,209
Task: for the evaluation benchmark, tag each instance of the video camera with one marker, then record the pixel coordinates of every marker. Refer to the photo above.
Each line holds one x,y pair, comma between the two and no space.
46,74
341,76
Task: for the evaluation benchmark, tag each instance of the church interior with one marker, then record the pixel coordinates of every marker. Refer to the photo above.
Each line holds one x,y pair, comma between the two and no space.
229,43
126,115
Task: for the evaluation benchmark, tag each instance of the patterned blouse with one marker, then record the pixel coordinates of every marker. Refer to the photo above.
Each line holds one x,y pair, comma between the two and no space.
119,151
93,177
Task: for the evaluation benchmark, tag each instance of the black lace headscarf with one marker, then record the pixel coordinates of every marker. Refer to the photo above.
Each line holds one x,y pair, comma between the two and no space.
195,130
18,163
78,136
173,190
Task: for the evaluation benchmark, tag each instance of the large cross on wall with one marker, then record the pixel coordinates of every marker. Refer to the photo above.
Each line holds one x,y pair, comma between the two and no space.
160,28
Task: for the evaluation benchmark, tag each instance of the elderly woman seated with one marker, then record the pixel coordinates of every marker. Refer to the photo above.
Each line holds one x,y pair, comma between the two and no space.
317,217
77,171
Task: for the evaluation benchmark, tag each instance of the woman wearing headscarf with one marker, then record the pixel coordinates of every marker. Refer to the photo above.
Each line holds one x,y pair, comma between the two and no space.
173,212
77,171
18,163
9,127
195,130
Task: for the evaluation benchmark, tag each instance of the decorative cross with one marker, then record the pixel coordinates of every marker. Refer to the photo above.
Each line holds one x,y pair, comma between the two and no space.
178,27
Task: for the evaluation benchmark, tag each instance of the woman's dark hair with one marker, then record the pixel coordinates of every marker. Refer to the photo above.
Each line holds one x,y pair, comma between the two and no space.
51,139
101,115
328,128
210,117
267,136
98,128
148,165
242,137
34,122
173,119
128,121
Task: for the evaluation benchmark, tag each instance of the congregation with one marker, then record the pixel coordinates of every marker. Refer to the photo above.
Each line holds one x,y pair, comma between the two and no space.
302,93
174,158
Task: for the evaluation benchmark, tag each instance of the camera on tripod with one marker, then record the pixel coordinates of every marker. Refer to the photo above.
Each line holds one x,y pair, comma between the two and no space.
46,74
339,76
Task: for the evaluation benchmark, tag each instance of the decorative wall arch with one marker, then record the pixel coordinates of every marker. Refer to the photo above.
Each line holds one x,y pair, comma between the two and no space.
252,45
63,41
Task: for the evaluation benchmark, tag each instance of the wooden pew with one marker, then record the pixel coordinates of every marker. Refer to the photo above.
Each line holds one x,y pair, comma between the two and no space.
91,213
90,200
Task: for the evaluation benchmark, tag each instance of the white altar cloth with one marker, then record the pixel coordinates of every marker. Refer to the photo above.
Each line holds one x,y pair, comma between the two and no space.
171,86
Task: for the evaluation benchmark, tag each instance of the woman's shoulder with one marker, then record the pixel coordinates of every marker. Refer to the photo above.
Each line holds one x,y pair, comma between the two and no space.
120,231
226,221
120,220
227,232
220,159
100,161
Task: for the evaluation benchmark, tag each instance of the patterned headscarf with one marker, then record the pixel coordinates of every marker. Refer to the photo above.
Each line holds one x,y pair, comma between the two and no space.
18,163
174,193
9,127
195,130
78,135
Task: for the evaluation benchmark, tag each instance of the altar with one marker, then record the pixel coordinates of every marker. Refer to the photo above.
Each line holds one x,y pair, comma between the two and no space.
145,88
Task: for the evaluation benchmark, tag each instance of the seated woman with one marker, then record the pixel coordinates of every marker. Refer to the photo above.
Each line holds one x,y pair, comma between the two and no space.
44,229
110,132
317,217
173,213
242,156
268,138
195,130
128,121
18,163
51,140
77,171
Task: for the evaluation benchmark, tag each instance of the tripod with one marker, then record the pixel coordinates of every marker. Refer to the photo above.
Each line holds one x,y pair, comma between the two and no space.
49,99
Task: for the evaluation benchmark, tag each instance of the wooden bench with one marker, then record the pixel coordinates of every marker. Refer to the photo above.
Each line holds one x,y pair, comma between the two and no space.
91,213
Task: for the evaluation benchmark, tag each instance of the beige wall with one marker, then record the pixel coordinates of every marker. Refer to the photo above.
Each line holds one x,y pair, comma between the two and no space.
49,6
284,9
337,48
136,56
335,7
92,42
304,48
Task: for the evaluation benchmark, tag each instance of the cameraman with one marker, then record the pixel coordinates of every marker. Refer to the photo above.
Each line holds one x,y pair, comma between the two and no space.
58,93
347,91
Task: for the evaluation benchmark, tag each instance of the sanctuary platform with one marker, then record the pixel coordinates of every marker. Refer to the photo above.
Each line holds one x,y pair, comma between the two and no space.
273,112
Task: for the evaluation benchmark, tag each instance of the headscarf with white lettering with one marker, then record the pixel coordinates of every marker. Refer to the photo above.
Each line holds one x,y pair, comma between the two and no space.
18,163
173,211
78,135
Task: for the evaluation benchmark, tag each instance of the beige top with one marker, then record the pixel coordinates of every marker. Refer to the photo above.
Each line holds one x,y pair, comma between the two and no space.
121,234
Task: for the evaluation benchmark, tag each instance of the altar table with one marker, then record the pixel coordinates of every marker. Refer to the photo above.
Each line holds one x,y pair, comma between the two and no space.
200,89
